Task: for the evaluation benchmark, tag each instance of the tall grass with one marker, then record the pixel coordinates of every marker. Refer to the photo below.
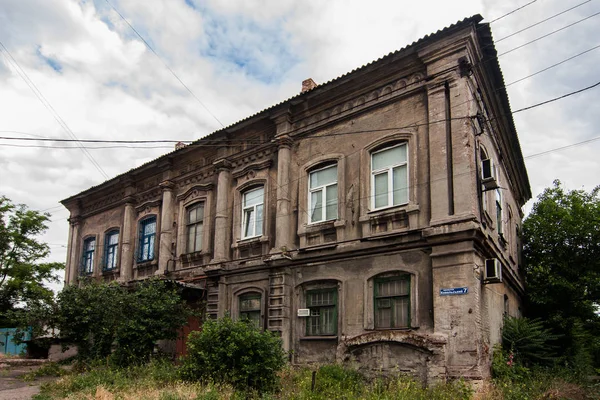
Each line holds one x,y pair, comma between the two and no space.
160,380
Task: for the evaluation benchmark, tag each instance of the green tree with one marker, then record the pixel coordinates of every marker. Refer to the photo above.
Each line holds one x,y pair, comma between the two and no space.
561,238
110,320
23,275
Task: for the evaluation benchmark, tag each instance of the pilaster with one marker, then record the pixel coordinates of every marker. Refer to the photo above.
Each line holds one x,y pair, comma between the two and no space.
222,215
165,252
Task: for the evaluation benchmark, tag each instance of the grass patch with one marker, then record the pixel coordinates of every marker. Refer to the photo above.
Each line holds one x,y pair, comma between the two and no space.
160,380
48,369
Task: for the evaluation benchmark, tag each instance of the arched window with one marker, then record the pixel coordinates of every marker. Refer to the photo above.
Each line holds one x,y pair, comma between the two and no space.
323,194
252,212
111,250
250,308
194,227
147,239
389,176
87,261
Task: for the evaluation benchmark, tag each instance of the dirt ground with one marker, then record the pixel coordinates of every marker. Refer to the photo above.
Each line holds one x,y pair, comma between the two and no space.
12,387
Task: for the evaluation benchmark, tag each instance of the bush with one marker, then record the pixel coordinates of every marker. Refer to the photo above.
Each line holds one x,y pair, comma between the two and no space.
529,342
236,353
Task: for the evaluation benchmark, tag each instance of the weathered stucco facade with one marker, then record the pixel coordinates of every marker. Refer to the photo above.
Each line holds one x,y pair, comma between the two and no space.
337,217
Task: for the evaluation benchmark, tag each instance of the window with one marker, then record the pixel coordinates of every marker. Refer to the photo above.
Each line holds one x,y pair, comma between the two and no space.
322,320
499,214
392,302
250,308
252,213
87,262
147,239
111,247
323,194
194,221
389,177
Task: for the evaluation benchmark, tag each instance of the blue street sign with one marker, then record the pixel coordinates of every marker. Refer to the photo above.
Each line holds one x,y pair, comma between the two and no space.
454,291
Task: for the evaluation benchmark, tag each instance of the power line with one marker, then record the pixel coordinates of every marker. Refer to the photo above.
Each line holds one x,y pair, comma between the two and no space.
552,66
511,12
49,107
414,125
556,98
562,147
165,64
548,34
542,21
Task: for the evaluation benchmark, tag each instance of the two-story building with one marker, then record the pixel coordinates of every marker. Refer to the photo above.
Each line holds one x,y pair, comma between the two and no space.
373,219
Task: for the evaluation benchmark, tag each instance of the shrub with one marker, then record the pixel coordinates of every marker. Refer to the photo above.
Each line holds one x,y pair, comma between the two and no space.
528,341
234,352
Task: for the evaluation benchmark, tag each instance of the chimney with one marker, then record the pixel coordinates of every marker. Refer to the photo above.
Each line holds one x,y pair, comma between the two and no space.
179,145
308,84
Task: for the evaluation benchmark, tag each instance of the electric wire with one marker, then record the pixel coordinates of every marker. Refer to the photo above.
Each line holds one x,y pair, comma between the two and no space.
367,130
549,34
165,64
541,22
48,106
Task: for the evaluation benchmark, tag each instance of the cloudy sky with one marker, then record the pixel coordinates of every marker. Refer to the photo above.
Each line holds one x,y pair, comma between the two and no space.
96,79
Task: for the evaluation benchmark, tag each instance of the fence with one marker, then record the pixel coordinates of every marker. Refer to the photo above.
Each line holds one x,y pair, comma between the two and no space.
7,344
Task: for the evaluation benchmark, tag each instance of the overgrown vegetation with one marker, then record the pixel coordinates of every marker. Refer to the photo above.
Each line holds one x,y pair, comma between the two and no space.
113,323
159,380
561,238
235,353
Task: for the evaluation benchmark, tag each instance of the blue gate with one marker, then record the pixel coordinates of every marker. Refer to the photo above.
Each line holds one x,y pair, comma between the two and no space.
8,346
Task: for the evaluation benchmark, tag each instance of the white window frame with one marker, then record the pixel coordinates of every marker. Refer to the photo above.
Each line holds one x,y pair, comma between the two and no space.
254,213
322,188
389,170
195,225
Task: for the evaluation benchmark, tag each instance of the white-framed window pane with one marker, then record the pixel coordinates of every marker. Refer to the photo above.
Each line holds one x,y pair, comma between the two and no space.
150,228
191,238
316,206
113,238
332,202
323,177
400,183
249,222
198,242
259,220
389,157
381,190
253,197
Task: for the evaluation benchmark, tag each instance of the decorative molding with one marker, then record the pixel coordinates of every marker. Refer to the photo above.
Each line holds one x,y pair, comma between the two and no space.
257,166
385,92
146,207
222,164
113,199
166,185
194,191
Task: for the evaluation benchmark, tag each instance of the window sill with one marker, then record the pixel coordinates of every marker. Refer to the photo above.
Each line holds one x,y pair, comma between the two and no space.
110,271
409,208
195,256
326,246
250,241
146,264
308,338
